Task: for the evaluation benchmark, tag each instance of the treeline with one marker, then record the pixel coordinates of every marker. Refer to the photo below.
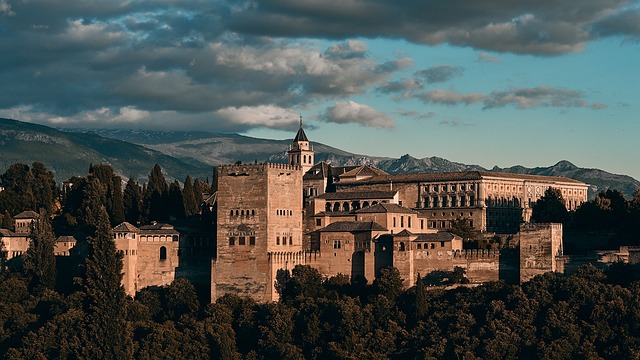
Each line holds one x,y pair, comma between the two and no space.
591,314
75,205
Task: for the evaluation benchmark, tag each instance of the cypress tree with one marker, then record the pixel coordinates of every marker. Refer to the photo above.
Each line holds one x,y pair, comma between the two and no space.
93,197
176,200
132,200
7,221
117,201
39,261
188,194
155,195
198,188
107,334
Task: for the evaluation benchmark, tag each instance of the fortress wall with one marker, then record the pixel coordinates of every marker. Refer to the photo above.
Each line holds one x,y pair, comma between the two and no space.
150,269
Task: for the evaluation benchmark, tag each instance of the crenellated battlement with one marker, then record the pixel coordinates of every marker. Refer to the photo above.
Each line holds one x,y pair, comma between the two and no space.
248,169
476,254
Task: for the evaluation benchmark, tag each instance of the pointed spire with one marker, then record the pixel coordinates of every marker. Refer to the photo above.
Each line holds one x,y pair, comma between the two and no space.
300,136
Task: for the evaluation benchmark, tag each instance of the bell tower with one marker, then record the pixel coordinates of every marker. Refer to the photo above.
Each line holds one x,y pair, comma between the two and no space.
300,151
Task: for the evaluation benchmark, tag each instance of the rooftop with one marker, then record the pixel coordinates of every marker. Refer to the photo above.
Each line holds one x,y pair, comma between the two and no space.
353,195
353,226
385,208
27,215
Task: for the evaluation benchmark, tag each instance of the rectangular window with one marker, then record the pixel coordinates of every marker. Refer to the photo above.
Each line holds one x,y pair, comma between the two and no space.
252,240
441,243
232,241
421,224
277,240
409,221
318,222
401,221
241,240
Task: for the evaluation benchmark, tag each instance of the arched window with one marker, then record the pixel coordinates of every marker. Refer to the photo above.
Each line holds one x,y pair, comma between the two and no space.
231,213
304,159
327,207
163,253
401,246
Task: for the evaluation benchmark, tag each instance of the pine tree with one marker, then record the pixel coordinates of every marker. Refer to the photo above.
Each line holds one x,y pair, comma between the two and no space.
107,334
550,208
188,194
39,260
132,200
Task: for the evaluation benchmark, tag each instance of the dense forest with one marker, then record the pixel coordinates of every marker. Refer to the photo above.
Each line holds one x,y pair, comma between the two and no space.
46,313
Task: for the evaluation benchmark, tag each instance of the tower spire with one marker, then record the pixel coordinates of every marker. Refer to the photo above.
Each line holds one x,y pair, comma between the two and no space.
300,121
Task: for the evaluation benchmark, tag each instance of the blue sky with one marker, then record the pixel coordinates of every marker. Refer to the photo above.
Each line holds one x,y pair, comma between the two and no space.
494,82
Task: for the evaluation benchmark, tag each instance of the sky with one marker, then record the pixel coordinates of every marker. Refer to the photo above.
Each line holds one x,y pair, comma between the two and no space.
493,82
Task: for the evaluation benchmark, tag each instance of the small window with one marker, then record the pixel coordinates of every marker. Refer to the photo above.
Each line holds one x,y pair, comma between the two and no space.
163,253
277,240
318,222
421,224
290,240
441,243
241,240
231,213
401,246
252,240
419,246
232,241
253,212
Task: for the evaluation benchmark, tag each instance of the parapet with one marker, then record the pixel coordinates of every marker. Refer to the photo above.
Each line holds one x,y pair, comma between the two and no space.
248,169
476,253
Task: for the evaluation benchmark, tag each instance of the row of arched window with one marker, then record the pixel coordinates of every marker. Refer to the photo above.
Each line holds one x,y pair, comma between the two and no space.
284,240
284,212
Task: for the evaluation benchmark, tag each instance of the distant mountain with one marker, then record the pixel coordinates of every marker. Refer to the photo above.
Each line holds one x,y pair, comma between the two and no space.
69,154
215,149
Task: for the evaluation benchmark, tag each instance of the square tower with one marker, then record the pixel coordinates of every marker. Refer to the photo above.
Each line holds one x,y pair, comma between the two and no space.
259,214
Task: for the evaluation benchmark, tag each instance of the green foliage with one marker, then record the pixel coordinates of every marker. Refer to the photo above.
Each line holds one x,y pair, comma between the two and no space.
389,283
107,333
39,261
27,188
175,201
462,227
132,202
155,196
7,221
550,208
191,206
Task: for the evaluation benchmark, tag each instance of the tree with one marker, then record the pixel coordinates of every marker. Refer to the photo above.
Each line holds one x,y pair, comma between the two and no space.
132,200
93,198
107,334
550,208
7,221
389,283
155,196
462,227
175,201
191,207
39,260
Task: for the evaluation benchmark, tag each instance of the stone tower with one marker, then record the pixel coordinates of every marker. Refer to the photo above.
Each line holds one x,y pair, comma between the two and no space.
259,230
300,151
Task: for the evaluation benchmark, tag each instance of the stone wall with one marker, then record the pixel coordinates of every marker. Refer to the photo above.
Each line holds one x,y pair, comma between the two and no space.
259,212
540,249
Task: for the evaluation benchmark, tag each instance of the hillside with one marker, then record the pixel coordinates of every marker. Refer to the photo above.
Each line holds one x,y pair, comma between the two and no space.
214,149
68,153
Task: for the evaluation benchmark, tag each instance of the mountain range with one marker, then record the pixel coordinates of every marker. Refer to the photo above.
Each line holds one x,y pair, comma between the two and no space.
133,153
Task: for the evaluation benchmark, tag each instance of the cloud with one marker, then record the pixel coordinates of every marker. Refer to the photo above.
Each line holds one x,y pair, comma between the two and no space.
521,98
352,112
445,97
440,73
484,57
626,22
541,96
5,8
404,86
417,115
515,26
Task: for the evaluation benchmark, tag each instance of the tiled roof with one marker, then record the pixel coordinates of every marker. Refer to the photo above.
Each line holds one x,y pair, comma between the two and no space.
6,233
404,232
357,195
363,170
66,239
27,215
439,236
158,229
125,227
455,176
333,213
318,171
385,208
353,226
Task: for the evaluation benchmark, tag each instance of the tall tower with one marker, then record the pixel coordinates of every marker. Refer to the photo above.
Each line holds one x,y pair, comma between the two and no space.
300,151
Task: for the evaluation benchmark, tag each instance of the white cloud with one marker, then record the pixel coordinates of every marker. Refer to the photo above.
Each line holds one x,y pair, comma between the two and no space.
352,112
